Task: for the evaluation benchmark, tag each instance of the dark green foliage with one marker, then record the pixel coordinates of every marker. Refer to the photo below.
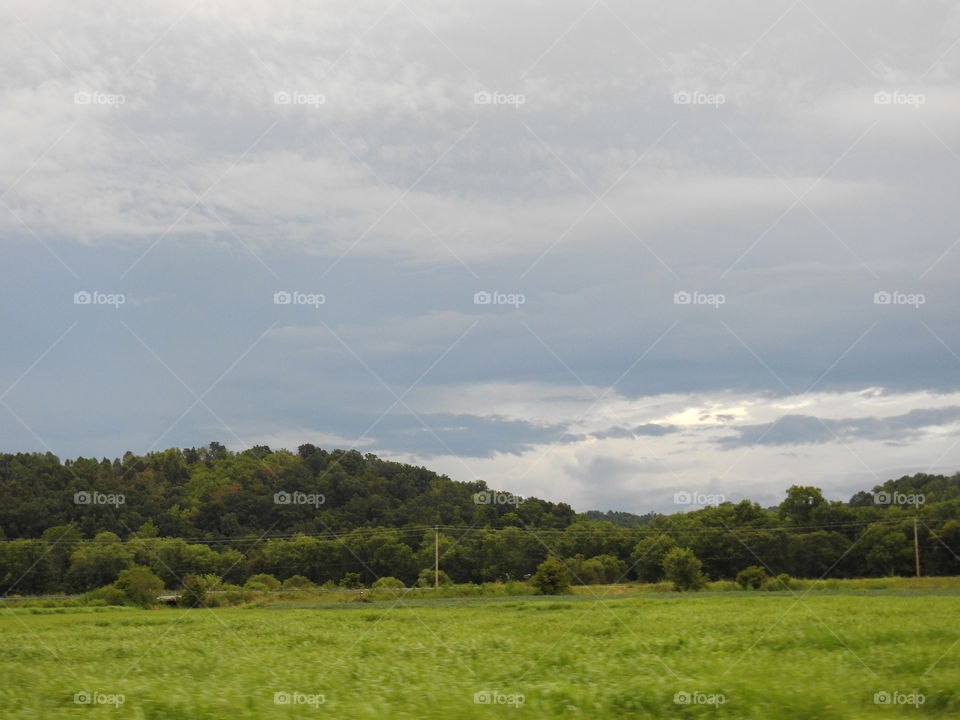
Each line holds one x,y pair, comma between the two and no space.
351,580
211,512
751,578
214,492
196,590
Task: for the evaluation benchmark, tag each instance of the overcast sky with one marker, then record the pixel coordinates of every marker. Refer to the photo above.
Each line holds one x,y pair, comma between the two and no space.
715,244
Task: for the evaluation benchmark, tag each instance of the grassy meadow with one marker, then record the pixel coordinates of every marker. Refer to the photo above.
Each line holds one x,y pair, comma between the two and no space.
669,655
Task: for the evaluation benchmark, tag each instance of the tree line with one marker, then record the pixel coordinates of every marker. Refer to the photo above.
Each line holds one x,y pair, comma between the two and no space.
209,511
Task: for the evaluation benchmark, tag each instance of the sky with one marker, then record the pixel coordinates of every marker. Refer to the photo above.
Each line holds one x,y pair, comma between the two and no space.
598,252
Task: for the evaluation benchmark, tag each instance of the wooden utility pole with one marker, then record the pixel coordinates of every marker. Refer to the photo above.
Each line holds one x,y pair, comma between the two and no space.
916,547
436,556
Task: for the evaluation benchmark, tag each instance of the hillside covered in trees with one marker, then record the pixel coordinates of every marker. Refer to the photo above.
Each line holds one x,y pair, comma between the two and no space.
331,516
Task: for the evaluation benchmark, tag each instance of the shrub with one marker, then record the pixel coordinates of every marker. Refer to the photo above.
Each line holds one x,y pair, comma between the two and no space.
780,582
751,578
113,595
265,579
426,578
196,590
551,578
683,569
598,570
388,583
351,580
723,586
297,582
139,585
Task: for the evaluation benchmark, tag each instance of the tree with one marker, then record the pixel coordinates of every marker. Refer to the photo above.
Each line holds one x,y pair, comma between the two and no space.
98,563
551,578
196,589
599,570
647,557
751,578
351,581
683,569
800,503
139,585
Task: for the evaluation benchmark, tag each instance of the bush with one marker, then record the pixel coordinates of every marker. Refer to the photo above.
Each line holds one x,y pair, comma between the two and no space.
388,583
139,585
551,578
751,578
781,582
297,582
113,595
265,579
351,581
426,578
723,586
599,570
683,569
196,590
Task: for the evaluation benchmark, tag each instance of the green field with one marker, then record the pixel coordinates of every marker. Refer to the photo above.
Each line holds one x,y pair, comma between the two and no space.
769,655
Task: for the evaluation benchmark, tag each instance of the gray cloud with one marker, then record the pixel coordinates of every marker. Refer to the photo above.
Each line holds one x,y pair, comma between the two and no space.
399,197
806,429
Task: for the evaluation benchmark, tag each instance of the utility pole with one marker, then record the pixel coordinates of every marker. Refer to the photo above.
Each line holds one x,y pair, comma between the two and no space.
916,547
436,555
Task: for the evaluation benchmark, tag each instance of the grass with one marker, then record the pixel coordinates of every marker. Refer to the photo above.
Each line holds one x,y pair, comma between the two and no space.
768,654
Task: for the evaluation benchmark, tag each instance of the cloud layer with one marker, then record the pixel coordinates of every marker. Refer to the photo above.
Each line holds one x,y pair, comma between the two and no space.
708,235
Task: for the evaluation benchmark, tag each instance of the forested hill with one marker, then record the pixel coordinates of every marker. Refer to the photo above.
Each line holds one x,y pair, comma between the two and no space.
334,517
620,518
213,492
